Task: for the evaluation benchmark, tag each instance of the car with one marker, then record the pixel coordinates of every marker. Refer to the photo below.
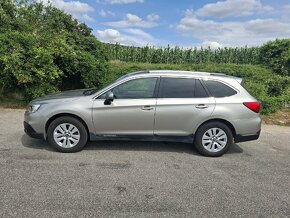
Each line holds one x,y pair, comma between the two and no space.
209,110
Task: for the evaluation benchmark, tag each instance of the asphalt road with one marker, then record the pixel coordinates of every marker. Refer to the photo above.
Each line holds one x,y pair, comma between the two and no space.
137,179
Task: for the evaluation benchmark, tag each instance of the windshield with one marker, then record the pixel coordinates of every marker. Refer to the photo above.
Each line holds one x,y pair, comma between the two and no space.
95,90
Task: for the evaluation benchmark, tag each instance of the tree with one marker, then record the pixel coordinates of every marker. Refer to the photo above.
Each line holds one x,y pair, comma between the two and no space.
44,50
276,55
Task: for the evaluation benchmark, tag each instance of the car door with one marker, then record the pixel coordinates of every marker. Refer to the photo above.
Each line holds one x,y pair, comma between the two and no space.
131,112
182,104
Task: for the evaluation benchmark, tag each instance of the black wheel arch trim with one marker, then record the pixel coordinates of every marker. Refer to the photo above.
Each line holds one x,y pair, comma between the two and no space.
245,138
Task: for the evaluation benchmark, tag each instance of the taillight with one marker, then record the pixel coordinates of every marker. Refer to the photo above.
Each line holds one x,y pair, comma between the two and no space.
254,106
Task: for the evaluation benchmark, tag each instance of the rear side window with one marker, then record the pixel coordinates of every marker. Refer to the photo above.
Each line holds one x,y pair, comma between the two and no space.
177,88
218,89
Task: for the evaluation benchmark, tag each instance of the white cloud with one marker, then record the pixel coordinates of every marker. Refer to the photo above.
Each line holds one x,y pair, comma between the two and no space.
88,18
108,34
72,6
106,13
287,7
268,27
284,12
132,20
76,8
238,33
139,32
103,13
134,37
123,1
152,17
232,8
212,45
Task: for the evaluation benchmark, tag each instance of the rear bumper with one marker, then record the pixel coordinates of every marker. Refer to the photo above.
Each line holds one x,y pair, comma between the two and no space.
31,132
244,138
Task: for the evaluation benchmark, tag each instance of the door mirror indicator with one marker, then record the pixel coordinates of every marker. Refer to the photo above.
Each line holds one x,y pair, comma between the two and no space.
109,98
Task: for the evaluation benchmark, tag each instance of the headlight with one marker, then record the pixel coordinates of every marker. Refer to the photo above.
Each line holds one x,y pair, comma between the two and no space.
33,108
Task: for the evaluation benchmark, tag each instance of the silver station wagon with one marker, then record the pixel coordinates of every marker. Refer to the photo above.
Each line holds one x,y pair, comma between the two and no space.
209,110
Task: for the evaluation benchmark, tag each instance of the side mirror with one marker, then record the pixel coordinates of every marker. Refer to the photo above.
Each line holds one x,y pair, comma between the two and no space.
109,98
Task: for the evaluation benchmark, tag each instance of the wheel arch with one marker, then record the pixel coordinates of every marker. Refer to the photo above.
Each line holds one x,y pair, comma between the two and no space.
65,115
226,122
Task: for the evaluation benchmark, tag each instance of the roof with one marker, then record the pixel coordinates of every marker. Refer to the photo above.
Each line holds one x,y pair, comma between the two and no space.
181,73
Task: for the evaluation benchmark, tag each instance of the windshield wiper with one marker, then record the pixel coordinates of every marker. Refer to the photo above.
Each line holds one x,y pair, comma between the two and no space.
89,92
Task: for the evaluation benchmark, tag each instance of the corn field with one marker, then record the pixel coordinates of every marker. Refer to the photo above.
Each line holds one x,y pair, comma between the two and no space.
179,55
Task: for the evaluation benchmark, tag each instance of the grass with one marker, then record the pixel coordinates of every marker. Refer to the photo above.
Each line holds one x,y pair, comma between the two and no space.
281,118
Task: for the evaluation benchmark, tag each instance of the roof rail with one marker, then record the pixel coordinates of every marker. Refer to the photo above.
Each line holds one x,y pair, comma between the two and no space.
174,71
132,74
218,74
184,71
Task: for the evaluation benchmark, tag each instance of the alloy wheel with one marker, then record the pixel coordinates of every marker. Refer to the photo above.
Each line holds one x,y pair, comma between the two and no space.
214,139
66,135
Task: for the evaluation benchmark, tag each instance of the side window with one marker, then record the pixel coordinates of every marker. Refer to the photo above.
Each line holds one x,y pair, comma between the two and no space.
177,88
134,89
218,89
199,90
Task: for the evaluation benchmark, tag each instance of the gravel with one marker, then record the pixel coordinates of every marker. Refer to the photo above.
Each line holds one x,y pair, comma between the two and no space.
142,179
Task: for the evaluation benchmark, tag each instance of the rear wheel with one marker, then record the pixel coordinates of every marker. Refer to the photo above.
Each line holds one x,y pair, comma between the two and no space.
213,139
67,134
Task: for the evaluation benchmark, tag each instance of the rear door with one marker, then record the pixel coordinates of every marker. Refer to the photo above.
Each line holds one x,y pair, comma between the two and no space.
182,104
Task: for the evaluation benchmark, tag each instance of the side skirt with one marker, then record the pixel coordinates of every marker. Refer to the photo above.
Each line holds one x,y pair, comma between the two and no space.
154,138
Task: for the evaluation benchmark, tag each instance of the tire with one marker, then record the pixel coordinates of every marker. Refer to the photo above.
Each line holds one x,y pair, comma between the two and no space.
213,139
67,134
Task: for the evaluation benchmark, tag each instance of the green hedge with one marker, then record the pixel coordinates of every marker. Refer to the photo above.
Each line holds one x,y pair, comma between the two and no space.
276,56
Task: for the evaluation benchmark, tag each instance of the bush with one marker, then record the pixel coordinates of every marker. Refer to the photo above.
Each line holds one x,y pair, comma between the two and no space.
276,55
26,65
44,50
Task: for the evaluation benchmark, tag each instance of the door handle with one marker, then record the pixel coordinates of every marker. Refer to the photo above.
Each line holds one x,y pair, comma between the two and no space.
201,106
147,108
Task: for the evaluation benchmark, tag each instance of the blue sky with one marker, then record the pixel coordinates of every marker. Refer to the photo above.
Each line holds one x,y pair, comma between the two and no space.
186,23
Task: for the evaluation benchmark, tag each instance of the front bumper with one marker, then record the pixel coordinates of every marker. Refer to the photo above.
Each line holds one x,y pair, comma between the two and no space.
244,138
31,132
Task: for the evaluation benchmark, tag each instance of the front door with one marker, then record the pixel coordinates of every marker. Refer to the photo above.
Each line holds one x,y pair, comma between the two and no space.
131,112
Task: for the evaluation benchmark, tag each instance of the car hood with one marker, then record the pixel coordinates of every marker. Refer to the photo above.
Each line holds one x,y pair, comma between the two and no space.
62,96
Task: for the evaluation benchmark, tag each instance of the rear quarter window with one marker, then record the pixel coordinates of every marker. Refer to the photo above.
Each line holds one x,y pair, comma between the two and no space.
219,89
199,90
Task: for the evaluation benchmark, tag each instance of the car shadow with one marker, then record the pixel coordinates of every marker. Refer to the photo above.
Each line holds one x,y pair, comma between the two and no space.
176,147
29,142
235,149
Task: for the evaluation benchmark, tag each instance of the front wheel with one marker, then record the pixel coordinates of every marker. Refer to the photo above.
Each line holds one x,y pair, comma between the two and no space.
67,134
213,139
